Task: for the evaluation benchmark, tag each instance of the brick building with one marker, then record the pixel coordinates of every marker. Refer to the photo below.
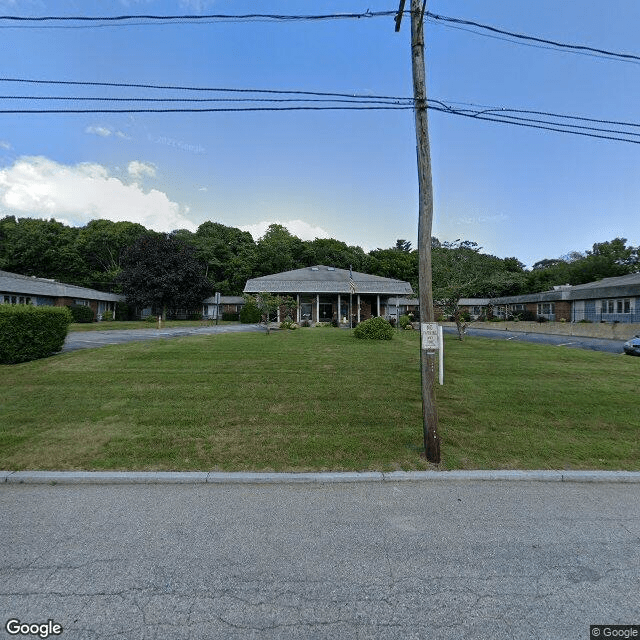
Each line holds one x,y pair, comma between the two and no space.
19,289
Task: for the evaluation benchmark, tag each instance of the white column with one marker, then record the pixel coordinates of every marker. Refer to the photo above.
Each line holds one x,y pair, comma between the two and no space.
298,308
378,304
339,316
317,307
358,308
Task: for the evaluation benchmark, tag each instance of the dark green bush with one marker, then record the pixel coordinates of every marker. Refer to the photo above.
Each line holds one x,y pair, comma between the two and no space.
404,321
28,333
250,314
230,316
81,313
374,329
107,316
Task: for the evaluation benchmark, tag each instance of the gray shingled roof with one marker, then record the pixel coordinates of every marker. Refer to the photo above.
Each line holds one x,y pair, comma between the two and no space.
618,287
323,279
27,285
225,300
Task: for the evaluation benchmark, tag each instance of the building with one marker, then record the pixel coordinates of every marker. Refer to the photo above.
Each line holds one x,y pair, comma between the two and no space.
19,289
607,300
326,293
229,305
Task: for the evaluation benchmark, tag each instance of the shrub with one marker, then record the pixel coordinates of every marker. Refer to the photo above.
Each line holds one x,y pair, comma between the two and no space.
404,321
541,319
374,329
305,323
151,319
526,316
125,311
28,333
230,316
107,316
81,313
392,322
250,314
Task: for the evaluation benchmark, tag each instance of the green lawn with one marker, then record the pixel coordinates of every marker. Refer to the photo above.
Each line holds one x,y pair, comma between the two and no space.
317,399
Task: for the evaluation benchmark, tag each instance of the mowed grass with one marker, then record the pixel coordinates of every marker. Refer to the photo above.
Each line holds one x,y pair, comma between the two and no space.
317,399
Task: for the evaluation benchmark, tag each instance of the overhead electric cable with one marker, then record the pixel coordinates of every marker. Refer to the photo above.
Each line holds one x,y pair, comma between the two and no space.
206,17
138,85
522,36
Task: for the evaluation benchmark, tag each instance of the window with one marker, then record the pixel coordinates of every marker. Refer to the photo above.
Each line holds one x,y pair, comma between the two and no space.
546,308
83,303
326,311
306,308
622,305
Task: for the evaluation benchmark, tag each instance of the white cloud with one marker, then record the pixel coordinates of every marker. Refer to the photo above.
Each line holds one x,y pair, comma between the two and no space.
299,228
104,132
5,145
40,187
137,169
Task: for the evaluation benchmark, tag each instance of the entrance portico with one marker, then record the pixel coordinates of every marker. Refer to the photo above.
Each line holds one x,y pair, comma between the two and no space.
326,294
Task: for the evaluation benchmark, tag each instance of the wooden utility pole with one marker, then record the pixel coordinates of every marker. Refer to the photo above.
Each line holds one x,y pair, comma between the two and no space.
425,220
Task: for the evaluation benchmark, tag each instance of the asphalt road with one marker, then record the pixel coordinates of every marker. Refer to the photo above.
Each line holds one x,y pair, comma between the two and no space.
460,559
574,342
91,339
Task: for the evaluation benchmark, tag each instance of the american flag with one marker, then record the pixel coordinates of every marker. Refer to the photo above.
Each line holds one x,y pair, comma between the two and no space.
352,284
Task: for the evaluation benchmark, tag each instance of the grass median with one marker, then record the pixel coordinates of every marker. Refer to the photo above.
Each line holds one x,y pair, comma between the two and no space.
317,399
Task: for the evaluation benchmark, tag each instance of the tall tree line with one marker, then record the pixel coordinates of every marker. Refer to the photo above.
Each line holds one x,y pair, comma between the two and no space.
94,256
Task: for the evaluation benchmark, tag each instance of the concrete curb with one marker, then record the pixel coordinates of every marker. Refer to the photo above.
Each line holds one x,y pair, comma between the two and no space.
204,477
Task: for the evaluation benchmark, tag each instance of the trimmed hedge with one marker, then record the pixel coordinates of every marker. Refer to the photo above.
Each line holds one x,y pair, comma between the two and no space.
28,333
81,313
374,329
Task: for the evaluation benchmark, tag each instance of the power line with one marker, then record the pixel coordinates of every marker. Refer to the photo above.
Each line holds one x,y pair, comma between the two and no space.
629,57
248,17
135,85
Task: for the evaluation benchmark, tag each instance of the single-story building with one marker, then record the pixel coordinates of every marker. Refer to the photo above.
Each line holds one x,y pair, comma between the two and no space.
19,289
325,293
231,305
608,300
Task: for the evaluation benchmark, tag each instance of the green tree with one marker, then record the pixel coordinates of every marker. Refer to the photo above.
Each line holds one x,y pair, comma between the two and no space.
102,244
460,270
42,248
278,250
219,248
162,271
333,253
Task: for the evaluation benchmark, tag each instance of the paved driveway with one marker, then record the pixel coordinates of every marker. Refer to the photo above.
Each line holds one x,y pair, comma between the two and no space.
92,339
574,342
441,559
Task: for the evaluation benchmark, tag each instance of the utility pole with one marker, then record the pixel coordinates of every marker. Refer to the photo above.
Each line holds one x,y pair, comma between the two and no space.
425,220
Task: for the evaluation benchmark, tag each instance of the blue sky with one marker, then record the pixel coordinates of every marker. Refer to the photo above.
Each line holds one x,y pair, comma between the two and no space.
348,175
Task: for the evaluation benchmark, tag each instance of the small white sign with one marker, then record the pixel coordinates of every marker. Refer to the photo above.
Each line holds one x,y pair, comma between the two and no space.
430,341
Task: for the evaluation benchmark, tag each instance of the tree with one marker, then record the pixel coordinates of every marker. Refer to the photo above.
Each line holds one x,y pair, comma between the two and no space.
102,244
42,248
402,245
278,250
162,271
460,270
219,247
267,304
